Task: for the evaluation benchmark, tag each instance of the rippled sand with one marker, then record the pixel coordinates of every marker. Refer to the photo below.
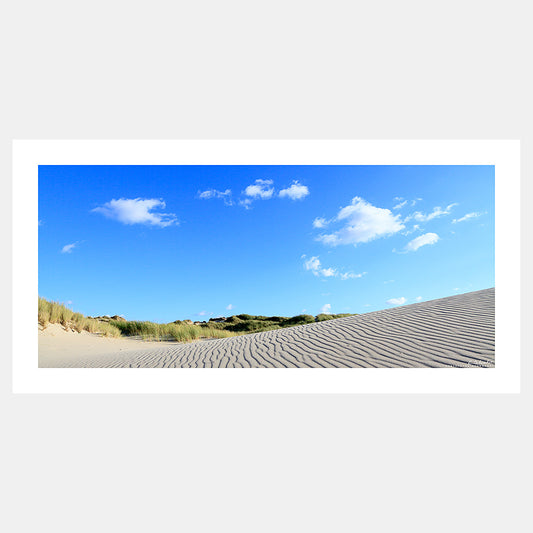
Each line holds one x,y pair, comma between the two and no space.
457,331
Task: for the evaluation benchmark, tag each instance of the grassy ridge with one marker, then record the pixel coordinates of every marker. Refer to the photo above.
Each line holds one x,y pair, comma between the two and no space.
256,323
177,332
56,313
183,331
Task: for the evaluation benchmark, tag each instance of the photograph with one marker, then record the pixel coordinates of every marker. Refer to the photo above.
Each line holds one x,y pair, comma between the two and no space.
277,254
266,266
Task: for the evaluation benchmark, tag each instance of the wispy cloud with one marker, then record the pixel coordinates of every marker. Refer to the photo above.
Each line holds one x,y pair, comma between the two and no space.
246,203
320,222
468,216
403,202
229,307
137,211
423,240
214,193
363,222
295,192
326,309
315,266
351,275
418,299
397,301
204,313
437,212
416,227
313,263
67,249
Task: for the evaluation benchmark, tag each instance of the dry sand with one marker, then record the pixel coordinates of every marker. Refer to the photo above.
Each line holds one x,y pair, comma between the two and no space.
457,331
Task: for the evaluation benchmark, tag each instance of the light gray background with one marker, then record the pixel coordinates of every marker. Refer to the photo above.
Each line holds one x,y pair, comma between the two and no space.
278,69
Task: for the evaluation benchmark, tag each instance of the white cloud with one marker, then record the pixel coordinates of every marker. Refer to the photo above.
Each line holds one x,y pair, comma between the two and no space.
246,203
67,249
315,266
416,227
204,313
137,211
418,299
403,202
400,205
388,281
351,275
214,193
363,223
468,216
320,222
397,301
326,309
423,240
437,212
229,307
313,263
260,189
294,192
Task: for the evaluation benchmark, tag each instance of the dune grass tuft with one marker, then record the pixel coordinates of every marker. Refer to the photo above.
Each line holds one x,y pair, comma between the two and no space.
57,313
179,332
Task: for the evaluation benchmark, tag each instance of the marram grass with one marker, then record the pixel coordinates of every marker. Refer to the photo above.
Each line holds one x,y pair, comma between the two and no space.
177,332
57,313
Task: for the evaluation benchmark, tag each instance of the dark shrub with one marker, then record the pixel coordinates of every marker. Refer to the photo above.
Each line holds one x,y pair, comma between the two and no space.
298,320
276,318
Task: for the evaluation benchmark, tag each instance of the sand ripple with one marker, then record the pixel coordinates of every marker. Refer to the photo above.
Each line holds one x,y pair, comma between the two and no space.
457,331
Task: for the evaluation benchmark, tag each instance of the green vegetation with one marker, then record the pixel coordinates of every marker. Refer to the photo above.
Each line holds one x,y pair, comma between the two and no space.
56,313
179,330
322,316
256,323
173,331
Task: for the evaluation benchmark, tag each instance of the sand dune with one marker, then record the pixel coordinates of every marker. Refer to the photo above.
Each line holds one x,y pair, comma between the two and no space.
457,331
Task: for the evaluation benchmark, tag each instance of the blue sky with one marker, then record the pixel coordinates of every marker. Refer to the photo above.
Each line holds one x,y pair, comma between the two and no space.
163,243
